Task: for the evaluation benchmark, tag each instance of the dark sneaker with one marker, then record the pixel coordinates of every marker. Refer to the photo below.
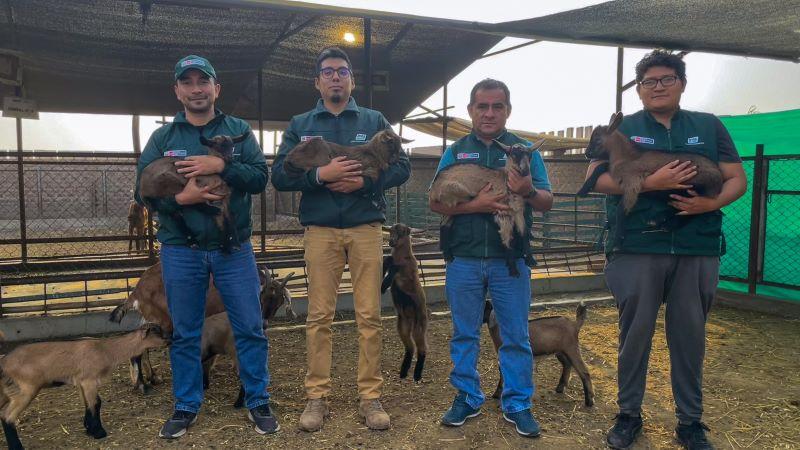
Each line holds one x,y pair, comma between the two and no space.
264,420
624,431
177,425
459,412
524,422
693,436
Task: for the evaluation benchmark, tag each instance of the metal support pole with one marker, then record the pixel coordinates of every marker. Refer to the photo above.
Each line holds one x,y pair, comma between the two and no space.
137,142
757,219
444,118
397,190
368,61
620,58
23,225
263,196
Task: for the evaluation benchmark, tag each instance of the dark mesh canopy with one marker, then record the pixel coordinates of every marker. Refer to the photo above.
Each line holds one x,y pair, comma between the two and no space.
765,28
112,56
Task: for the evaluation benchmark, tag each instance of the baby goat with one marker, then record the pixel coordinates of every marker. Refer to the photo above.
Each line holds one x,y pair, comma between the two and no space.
137,223
81,363
375,156
629,166
550,335
400,272
218,339
461,183
161,179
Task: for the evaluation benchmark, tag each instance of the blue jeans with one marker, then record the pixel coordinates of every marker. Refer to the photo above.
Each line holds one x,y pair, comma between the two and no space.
467,281
186,274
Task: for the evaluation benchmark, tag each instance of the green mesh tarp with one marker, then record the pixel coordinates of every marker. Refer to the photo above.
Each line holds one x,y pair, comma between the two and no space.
780,134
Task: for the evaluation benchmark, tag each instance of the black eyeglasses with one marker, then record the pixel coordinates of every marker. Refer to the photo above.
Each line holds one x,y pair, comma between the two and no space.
666,81
327,72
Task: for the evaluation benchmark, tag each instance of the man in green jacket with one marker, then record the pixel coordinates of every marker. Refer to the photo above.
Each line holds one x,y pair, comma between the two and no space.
186,269
342,213
660,260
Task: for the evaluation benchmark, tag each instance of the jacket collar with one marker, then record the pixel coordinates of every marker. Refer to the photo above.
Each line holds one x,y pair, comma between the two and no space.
351,107
181,117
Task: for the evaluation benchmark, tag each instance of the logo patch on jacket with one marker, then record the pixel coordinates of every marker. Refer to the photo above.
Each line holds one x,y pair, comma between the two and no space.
464,155
176,153
361,137
694,141
308,138
643,140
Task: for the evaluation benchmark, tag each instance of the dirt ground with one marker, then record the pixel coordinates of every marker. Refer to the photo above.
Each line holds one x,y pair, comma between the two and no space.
752,396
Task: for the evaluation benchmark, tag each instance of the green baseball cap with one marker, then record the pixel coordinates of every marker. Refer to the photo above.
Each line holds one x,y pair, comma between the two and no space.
194,62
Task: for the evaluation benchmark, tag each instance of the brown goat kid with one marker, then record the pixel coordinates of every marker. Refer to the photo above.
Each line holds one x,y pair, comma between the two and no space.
149,298
401,274
137,224
82,363
161,179
462,182
551,336
630,166
218,339
375,156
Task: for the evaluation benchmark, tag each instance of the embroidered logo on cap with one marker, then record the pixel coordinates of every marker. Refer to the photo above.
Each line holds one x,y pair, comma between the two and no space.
193,62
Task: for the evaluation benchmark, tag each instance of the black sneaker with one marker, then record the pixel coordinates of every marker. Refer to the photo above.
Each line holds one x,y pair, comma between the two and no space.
693,436
177,425
264,420
624,431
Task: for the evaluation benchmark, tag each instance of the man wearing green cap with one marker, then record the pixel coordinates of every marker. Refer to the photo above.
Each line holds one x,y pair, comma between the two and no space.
186,269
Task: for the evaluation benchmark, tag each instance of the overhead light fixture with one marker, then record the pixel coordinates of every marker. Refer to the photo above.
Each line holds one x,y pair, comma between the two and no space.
349,37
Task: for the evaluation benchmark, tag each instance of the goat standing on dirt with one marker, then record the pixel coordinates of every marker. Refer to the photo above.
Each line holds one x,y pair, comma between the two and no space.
82,363
401,274
137,224
555,335
148,298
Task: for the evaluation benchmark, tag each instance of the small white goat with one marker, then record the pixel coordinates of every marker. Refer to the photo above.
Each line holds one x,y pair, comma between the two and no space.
82,363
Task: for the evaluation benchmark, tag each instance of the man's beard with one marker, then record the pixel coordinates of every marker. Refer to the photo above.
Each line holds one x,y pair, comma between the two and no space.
336,98
207,106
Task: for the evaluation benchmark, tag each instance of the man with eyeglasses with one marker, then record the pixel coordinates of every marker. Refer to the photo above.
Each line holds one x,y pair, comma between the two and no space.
342,213
675,265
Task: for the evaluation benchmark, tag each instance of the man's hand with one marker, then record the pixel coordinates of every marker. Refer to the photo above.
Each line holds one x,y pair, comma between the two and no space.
193,194
519,184
693,205
346,185
200,165
488,202
338,169
671,176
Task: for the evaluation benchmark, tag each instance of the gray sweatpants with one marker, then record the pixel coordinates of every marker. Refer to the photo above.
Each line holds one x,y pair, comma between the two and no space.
686,284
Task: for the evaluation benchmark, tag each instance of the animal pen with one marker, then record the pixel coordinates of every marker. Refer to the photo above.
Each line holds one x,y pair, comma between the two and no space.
64,234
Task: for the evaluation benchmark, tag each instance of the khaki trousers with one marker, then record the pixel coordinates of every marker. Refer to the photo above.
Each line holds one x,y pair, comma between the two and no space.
326,252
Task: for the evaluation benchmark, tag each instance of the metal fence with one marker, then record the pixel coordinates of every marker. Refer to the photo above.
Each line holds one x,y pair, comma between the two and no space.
762,228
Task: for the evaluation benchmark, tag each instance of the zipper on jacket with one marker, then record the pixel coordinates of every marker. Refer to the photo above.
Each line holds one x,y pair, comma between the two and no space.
669,137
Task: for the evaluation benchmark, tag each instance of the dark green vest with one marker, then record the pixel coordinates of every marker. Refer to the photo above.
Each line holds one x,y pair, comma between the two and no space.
691,132
477,235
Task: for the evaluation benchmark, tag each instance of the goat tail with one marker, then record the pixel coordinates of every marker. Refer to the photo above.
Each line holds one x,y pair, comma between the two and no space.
580,315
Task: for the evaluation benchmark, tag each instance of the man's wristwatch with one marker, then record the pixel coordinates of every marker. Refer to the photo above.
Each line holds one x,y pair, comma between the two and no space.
531,194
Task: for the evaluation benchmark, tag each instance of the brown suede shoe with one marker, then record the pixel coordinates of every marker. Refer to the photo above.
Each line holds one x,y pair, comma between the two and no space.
374,415
314,415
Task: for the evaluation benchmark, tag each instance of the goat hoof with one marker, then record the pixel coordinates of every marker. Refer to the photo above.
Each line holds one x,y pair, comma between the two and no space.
238,404
98,434
145,389
560,389
589,403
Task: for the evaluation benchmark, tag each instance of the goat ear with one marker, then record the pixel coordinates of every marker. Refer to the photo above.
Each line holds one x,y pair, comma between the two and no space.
240,138
406,141
613,124
537,145
506,148
205,141
286,280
